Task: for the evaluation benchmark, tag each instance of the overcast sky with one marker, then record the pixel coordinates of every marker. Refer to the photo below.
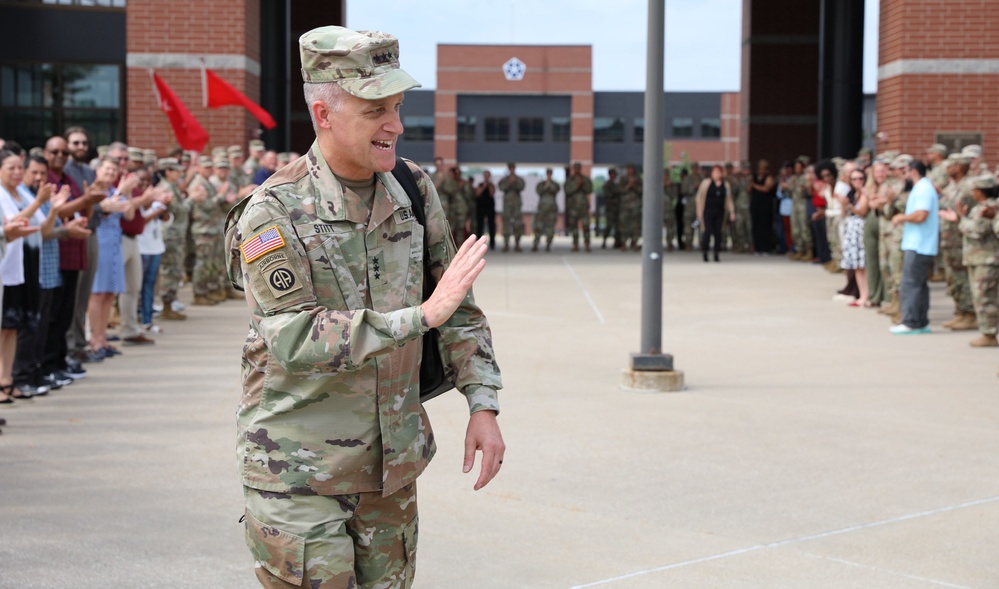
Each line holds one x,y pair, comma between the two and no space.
703,37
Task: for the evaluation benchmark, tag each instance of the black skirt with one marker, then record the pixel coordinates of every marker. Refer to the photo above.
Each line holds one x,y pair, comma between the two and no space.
20,303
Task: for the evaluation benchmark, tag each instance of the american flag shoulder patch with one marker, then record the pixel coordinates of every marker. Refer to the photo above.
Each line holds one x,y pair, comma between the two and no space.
267,240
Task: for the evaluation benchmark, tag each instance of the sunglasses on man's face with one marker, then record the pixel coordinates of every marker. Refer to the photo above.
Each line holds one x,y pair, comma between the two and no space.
79,143
64,152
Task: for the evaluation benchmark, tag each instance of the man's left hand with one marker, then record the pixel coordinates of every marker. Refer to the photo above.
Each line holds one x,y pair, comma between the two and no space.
483,435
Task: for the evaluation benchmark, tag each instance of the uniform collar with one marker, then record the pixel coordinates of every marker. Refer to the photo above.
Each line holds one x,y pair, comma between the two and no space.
332,204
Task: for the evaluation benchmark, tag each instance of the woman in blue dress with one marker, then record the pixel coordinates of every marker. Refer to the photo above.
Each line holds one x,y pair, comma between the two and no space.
109,278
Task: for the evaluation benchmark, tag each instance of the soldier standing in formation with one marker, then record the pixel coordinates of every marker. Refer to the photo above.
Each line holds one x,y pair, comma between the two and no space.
612,208
688,193
980,255
577,206
174,238
742,232
457,203
513,216
955,194
670,195
801,230
630,219
547,215
206,234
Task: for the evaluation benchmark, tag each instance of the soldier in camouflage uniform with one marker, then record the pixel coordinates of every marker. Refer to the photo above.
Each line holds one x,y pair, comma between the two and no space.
742,230
981,257
900,170
332,433
228,190
688,190
577,206
174,239
884,202
954,195
612,208
237,177
629,224
671,192
801,223
547,215
206,233
252,163
457,207
513,215
936,171
440,176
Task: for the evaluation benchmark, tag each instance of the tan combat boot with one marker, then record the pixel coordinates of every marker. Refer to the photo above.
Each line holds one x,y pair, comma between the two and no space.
966,322
217,295
985,341
169,314
203,301
892,307
948,324
808,256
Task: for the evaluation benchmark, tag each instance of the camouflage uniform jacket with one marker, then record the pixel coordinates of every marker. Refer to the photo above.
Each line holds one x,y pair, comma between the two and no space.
578,186
250,167
960,191
981,246
938,176
180,211
206,215
511,186
233,192
548,193
237,178
330,367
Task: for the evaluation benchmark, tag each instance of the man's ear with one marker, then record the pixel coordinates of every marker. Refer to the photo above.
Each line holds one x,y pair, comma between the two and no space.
321,113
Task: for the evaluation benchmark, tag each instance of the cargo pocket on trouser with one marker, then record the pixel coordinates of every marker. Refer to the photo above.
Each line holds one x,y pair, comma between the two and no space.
410,534
281,553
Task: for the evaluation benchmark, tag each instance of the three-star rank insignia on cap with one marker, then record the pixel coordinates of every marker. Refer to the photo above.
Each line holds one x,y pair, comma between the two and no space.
267,240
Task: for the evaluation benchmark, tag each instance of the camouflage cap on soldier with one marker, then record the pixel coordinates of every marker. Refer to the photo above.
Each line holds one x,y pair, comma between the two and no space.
102,150
221,162
803,159
972,151
135,154
865,151
185,157
938,148
234,151
36,151
985,182
283,157
364,63
217,151
169,163
256,145
204,161
149,156
901,161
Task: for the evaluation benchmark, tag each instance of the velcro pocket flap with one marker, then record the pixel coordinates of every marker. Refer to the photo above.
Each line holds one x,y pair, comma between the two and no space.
281,553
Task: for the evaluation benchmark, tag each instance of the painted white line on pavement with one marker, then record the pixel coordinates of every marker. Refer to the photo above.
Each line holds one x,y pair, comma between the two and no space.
586,293
789,541
888,571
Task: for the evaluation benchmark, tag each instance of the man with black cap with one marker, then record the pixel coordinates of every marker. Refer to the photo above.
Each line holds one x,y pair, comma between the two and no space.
332,433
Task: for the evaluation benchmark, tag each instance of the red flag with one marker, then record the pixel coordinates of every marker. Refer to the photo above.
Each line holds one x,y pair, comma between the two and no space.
190,134
218,93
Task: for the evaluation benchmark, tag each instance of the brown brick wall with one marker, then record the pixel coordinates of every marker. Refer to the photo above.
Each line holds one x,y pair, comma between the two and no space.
201,28
913,107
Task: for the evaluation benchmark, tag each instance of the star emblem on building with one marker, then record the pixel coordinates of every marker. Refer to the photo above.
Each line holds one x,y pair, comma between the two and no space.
514,69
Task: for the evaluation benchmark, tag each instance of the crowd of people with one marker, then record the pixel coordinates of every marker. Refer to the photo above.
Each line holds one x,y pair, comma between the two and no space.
94,242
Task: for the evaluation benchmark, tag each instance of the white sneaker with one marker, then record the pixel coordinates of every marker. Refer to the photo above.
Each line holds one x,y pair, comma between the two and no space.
842,298
903,329
157,307
177,306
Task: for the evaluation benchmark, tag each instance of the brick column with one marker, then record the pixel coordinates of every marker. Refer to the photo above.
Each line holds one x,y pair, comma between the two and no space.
938,73
172,40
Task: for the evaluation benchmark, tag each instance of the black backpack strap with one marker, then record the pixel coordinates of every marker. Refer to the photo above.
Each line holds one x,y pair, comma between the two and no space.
407,180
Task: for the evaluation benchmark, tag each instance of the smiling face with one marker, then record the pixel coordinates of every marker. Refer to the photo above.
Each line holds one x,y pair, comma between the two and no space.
359,139
35,175
11,172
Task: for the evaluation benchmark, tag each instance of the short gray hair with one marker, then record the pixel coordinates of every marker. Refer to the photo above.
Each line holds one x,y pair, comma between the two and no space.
329,93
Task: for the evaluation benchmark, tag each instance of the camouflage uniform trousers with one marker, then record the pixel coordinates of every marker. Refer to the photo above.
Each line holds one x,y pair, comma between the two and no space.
577,211
545,219
742,231
985,292
689,215
629,223
457,214
885,246
832,232
172,265
361,540
958,283
513,217
895,259
612,213
209,268
801,228
669,223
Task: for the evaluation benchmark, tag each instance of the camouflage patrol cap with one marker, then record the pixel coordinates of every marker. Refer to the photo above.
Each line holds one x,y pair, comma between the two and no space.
364,63
149,156
956,159
36,151
217,151
204,161
283,157
235,151
169,163
221,161
901,161
937,148
803,160
972,151
185,157
256,145
865,151
985,182
135,154
102,150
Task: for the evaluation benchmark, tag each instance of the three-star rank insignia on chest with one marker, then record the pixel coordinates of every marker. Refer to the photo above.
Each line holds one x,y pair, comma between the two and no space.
376,267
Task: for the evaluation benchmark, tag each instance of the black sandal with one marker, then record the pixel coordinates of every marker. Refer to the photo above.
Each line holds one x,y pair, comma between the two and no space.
8,392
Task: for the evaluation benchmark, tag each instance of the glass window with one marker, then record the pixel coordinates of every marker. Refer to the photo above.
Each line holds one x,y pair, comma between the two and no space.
639,130
531,130
497,129
710,127
28,85
683,127
466,128
608,129
418,127
561,129
90,86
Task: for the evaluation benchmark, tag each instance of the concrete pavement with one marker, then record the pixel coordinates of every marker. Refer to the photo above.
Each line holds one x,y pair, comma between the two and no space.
810,449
